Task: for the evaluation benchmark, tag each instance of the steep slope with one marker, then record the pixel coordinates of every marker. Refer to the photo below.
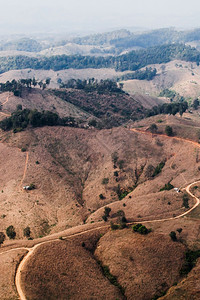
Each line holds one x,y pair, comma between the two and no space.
72,167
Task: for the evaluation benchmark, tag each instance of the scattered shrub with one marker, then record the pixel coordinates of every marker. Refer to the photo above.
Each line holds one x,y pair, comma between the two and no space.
114,226
190,261
159,168
168,130
31,187
153,128
107,211
140,229
185,201
2,238
27,232
121,164
114,157
173,236
168,186
105,180
10,231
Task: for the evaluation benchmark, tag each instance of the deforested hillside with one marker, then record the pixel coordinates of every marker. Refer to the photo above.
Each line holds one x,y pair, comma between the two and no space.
77,171
179,77
100,104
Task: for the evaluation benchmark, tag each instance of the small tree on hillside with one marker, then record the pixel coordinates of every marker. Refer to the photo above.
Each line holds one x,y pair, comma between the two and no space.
195,104
168,130
10,231
27,232
153,128
173,236
2,238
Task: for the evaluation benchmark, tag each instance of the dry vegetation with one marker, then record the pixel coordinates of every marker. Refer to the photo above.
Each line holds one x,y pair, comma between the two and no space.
187,289
9,262
144,265
77,172
183,77
67,270
68,166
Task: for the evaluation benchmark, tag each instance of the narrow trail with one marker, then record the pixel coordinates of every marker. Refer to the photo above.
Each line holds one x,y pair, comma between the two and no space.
68,236
25,170
5,101
4,114
166,136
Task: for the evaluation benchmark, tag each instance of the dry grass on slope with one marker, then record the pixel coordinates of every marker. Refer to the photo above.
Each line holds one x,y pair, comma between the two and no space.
9,262
186,289
72,164
67,270
41,100
144,265
182,77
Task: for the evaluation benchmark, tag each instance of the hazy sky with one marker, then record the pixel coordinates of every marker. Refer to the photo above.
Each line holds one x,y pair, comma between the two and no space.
93,15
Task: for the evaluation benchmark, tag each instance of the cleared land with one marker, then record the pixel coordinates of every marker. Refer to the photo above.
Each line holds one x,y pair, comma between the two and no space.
9,262
183,77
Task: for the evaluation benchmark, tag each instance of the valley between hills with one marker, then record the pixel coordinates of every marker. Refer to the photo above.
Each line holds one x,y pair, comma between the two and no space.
100,167
68,183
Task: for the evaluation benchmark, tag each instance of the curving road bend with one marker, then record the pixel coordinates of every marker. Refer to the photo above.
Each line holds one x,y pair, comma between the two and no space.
32,250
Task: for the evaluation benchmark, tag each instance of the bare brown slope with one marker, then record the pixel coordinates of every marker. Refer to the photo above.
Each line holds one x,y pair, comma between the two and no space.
144,265
72,164
183,77
41,100
9,262
67,270
188,288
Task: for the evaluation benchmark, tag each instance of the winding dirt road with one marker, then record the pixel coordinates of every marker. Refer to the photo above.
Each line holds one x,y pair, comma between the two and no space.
31,250
68,236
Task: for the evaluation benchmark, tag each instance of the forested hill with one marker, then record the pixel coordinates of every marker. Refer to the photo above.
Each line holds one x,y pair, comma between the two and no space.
132,61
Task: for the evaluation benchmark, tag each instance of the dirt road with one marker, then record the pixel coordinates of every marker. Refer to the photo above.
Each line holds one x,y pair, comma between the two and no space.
31,251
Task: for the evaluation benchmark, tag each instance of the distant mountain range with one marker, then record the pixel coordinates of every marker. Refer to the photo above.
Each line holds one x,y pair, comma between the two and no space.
119,41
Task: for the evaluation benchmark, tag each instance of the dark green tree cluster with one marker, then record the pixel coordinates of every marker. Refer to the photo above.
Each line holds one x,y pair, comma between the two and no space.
147,74
195,104
2,238
159,168
168,186
190,261
168,130
141,229
20,119
168,108
132,61
91,85
173,236
17,86
107,211
168,94
11,233
27,232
